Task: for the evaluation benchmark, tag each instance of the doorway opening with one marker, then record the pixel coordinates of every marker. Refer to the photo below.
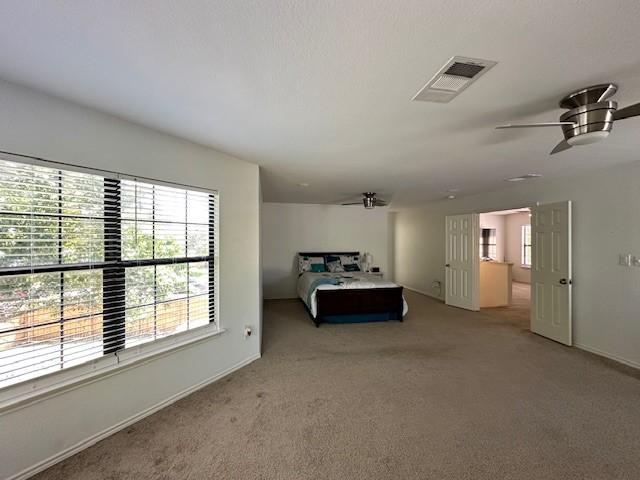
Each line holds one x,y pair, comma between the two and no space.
505,252
546,244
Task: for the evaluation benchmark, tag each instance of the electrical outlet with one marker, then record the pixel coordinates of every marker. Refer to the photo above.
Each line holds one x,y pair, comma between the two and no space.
624,259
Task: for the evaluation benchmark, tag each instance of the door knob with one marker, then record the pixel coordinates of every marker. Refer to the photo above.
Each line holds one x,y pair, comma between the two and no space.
563,281
448,265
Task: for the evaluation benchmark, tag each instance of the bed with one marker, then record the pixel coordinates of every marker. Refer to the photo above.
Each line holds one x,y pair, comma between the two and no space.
348,296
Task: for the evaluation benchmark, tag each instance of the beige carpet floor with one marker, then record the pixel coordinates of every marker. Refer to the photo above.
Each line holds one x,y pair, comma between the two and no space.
448,394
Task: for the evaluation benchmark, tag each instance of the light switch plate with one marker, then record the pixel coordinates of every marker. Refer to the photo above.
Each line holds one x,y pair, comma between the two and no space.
624,259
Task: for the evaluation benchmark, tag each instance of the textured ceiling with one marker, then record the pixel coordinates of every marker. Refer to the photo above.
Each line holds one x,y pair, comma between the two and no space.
319,91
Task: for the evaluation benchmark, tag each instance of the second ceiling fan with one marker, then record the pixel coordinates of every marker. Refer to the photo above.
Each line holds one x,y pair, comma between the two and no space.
590,117
369,200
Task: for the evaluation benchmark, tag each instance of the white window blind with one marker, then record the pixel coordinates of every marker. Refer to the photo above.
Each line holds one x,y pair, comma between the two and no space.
526,246
92,264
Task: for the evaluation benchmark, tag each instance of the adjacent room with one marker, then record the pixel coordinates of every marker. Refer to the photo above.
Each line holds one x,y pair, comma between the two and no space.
302,239
505,263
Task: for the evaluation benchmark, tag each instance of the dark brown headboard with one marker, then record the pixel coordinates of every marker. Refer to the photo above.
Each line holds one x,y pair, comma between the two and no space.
322,254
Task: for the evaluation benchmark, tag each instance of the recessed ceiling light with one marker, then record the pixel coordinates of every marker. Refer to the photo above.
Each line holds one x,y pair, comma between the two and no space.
450,197
303,184
521,178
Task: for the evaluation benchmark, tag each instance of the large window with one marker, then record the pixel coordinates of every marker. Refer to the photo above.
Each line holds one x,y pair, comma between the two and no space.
92,264
526,245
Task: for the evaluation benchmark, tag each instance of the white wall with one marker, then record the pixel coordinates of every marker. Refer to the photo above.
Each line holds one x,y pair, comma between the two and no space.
419,251
36,124
289,228
497,222
514,223
605,223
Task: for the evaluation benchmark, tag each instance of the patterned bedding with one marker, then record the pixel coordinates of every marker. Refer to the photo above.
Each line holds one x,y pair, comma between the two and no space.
310,282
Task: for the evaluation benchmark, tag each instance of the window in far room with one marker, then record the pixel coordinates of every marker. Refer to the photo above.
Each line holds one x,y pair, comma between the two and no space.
526,246
488,244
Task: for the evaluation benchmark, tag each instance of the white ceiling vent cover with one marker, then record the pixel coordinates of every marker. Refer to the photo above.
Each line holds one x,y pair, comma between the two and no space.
456,75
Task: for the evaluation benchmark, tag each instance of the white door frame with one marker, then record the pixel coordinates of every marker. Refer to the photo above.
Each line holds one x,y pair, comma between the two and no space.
520,207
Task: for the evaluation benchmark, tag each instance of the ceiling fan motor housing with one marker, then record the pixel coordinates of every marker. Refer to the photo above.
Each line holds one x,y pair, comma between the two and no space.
590,111
369,200
586,96
594,117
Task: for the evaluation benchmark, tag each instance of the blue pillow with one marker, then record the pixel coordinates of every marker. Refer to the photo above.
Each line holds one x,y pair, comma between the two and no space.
318,267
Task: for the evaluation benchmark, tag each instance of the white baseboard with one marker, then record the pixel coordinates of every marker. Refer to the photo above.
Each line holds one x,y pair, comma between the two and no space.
607,355
423,293
595,351
86,443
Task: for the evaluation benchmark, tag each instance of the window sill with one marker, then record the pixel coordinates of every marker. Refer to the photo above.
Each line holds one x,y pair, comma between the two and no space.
15,396
527,267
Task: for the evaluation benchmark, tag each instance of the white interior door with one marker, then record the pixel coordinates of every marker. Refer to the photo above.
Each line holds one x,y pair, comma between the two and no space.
551,271
462,261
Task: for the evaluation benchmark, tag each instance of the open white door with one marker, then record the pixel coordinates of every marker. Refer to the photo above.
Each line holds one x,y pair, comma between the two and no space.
462,261
551,271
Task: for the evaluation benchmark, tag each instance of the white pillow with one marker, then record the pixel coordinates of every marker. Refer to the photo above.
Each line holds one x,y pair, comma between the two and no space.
333,263
304,263
350,260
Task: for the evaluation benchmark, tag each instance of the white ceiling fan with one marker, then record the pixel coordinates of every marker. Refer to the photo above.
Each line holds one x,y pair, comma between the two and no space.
369,200
590,117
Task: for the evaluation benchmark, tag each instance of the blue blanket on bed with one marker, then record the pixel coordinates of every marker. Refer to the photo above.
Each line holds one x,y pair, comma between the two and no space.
317,282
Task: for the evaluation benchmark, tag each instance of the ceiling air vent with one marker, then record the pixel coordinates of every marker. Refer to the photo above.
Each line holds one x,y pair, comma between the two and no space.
456,75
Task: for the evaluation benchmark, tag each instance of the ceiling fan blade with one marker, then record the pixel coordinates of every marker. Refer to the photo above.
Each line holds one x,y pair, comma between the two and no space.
380,203
528,125
626,112
561,147
352,203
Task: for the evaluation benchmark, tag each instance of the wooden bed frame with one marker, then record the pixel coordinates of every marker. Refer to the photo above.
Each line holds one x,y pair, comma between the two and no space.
356,301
